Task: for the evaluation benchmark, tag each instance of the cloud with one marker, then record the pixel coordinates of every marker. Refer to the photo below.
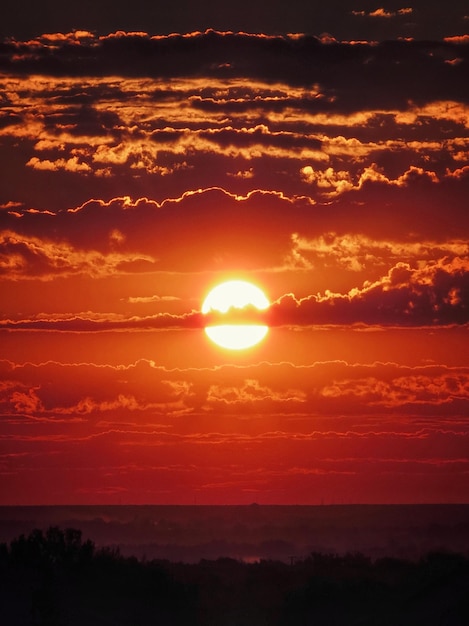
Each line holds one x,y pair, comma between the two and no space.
134,394
422,389
70,165
30,257
276,423
28,249
26,402
383,13
330,182
251,391
432,295
149,299
436,294
224,54
327,180
74,37
100,323
123,403
100,239
243,173
458,39
105,239
90,391
115,134
357,252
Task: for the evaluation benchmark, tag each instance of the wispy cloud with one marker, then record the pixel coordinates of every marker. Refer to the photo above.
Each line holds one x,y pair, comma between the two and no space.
384,13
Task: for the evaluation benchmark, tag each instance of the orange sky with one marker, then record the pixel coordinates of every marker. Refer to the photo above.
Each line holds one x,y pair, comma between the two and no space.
138,172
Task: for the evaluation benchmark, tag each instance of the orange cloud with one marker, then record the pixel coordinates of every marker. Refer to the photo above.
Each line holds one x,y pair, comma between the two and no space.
383,13
247,425
457,39
72,37
435,294
70,165
400,391
356,252
28,257
331,182
252,391
328,180
88,392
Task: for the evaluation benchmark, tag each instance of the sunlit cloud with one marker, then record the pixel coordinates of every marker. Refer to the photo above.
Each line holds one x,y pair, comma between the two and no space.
383,13
260,389
252,391
27,257
149,299
71,165
357,252
437,293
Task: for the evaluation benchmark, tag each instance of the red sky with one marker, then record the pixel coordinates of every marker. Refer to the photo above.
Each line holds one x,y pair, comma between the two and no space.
141,169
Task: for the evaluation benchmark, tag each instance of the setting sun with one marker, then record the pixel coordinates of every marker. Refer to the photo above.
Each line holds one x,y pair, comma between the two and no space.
235,295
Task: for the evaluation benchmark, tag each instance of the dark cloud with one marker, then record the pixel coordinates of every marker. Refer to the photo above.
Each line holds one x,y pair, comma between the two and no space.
100,136
163,321
427,19
260,136
228,228
435,295
386,73
124,235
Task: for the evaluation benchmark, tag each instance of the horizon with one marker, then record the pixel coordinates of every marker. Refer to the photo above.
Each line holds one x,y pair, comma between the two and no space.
239,505
248,533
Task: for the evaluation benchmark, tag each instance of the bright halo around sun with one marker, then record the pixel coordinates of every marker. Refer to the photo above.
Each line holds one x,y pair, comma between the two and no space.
234,296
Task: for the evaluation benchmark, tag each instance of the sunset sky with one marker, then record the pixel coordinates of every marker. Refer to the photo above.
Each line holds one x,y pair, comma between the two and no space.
148,154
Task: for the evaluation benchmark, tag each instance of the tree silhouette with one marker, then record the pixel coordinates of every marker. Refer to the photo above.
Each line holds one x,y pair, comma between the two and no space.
54,578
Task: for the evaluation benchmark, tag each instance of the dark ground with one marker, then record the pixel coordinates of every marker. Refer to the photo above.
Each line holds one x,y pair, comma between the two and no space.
54,578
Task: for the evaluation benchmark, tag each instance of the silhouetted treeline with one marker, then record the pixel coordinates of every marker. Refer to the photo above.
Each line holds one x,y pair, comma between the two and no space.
54,578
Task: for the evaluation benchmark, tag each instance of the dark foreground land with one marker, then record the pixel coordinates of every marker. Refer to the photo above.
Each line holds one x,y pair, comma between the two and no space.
54,578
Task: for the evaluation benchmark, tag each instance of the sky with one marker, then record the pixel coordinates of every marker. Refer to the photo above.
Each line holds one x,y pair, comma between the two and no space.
150,153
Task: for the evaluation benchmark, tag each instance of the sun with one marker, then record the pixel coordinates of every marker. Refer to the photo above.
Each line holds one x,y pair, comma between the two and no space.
229,299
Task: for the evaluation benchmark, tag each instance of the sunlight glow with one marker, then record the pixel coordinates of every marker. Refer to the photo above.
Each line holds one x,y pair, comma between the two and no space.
236,337
235,294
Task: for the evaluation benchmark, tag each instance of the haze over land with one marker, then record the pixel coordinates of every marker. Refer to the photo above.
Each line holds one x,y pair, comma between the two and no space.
253,533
